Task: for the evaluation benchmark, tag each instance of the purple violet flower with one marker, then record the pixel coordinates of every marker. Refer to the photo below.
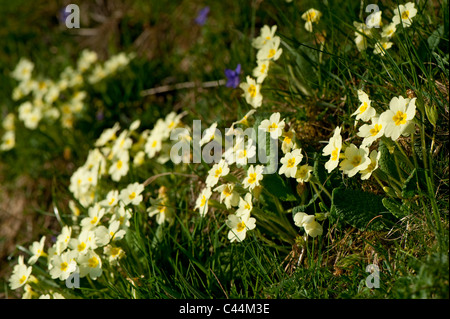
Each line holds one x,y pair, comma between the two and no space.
233,77
202,15
63,14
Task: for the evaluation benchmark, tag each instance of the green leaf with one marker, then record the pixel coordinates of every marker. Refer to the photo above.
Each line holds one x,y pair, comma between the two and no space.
386,162
362,210
394,207
410,185
277,186
319,169
306,208
435,37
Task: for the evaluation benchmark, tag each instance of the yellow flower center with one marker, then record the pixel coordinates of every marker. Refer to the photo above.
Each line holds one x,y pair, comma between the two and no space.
243,154
291,162
154,144
247,206
119,164
263,68
335,154
64,266
22,279
93,262
273,127
271,53
399,118
252,90
240,227
356,160
376,129
251,178
371,167
218,172
111,201
94,220
310,16
115,251
161,209
132,196
227,191
203,201
81,247
405,15
363,107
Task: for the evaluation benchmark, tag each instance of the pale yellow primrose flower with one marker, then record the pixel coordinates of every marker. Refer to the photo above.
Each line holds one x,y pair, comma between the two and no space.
388,30
333,148
37,248
23,70
120,166
160,209
356,159
267,34
63,265
398,119
290,162
86,240
303,174
404,14
111,200
362,33
244,153
239,226
309,223
245,205
288,141
310,16
273,125
8,141
217,170
90,264
382,46
95,214
261,70
271,51
228,195
252,92
371,132
254,176
364,112
20,275
209,134
202,201
113,253
375,20
374,158
132,194
8,122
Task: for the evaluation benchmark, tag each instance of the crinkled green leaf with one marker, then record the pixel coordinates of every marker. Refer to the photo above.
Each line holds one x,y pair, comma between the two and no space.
278,187
362,210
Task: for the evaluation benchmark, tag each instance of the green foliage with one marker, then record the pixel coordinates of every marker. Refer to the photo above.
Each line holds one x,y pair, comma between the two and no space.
360,209
397,218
